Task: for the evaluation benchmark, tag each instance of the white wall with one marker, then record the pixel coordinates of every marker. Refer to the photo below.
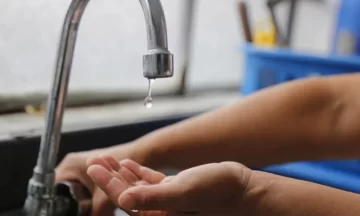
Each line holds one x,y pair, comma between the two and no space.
112,39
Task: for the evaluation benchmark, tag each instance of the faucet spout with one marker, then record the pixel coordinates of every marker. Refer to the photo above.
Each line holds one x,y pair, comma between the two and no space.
157,63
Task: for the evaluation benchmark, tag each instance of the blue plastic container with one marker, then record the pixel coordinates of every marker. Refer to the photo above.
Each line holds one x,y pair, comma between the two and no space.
348,21
267,67
343,175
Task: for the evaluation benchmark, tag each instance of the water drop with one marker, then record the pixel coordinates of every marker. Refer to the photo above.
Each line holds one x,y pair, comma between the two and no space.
148,102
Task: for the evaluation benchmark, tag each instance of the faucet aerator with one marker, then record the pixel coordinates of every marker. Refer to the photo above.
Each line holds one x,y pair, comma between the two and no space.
158,64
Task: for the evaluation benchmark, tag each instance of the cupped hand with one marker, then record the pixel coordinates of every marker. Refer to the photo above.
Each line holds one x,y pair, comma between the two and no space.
114,178
73,168
211,189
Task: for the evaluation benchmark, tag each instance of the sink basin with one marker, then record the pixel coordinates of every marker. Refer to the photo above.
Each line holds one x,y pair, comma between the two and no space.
17,212
18,156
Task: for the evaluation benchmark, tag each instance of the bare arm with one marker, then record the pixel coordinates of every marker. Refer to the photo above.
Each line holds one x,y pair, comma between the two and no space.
285,196
302,120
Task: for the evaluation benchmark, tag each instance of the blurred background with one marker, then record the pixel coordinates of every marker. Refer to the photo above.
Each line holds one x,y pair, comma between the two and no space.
108,64
223,60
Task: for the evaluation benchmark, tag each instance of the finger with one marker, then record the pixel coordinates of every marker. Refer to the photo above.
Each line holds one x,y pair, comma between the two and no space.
128,176
98,160
66,176
166,196
123,174
167,179
102,205
112,186
108,162
144,173
112,162
141,182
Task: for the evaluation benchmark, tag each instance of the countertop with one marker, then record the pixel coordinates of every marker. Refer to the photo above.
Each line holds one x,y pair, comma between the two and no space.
23,124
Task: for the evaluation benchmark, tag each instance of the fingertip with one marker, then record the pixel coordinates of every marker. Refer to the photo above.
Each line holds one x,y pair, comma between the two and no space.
94,160
127,199
151,197
92,169
99,174
98,160
115,165
129,163
90,160
167,179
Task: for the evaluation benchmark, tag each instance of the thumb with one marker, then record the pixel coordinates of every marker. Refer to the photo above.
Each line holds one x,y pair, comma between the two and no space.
166,196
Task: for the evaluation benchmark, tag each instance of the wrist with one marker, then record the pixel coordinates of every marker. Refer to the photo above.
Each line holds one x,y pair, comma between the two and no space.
135,150
149,151
256,190
248,190
145,153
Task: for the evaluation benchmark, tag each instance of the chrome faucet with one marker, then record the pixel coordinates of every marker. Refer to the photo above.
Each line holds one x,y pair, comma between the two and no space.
42,198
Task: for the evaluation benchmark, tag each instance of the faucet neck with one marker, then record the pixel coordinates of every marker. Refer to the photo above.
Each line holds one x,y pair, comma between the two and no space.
155,24
158,63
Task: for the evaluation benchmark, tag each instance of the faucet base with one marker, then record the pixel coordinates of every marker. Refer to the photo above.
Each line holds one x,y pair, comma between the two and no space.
69,199
40,199
35,206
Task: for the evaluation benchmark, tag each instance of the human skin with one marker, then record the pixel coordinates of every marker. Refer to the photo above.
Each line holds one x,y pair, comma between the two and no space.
216,189
312,119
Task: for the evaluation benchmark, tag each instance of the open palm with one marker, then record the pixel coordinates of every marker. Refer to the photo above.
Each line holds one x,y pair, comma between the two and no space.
208,190
114,178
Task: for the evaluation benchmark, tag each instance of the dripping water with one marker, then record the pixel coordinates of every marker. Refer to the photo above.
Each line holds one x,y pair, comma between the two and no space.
148,102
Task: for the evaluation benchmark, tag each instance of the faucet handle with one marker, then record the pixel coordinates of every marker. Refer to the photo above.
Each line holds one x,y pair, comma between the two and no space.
158,63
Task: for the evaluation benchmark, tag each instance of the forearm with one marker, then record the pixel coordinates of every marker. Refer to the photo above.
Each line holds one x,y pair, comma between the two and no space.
292,122
285,197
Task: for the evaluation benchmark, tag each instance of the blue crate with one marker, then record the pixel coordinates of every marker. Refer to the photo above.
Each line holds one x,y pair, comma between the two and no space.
267,67
343,175
347,21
